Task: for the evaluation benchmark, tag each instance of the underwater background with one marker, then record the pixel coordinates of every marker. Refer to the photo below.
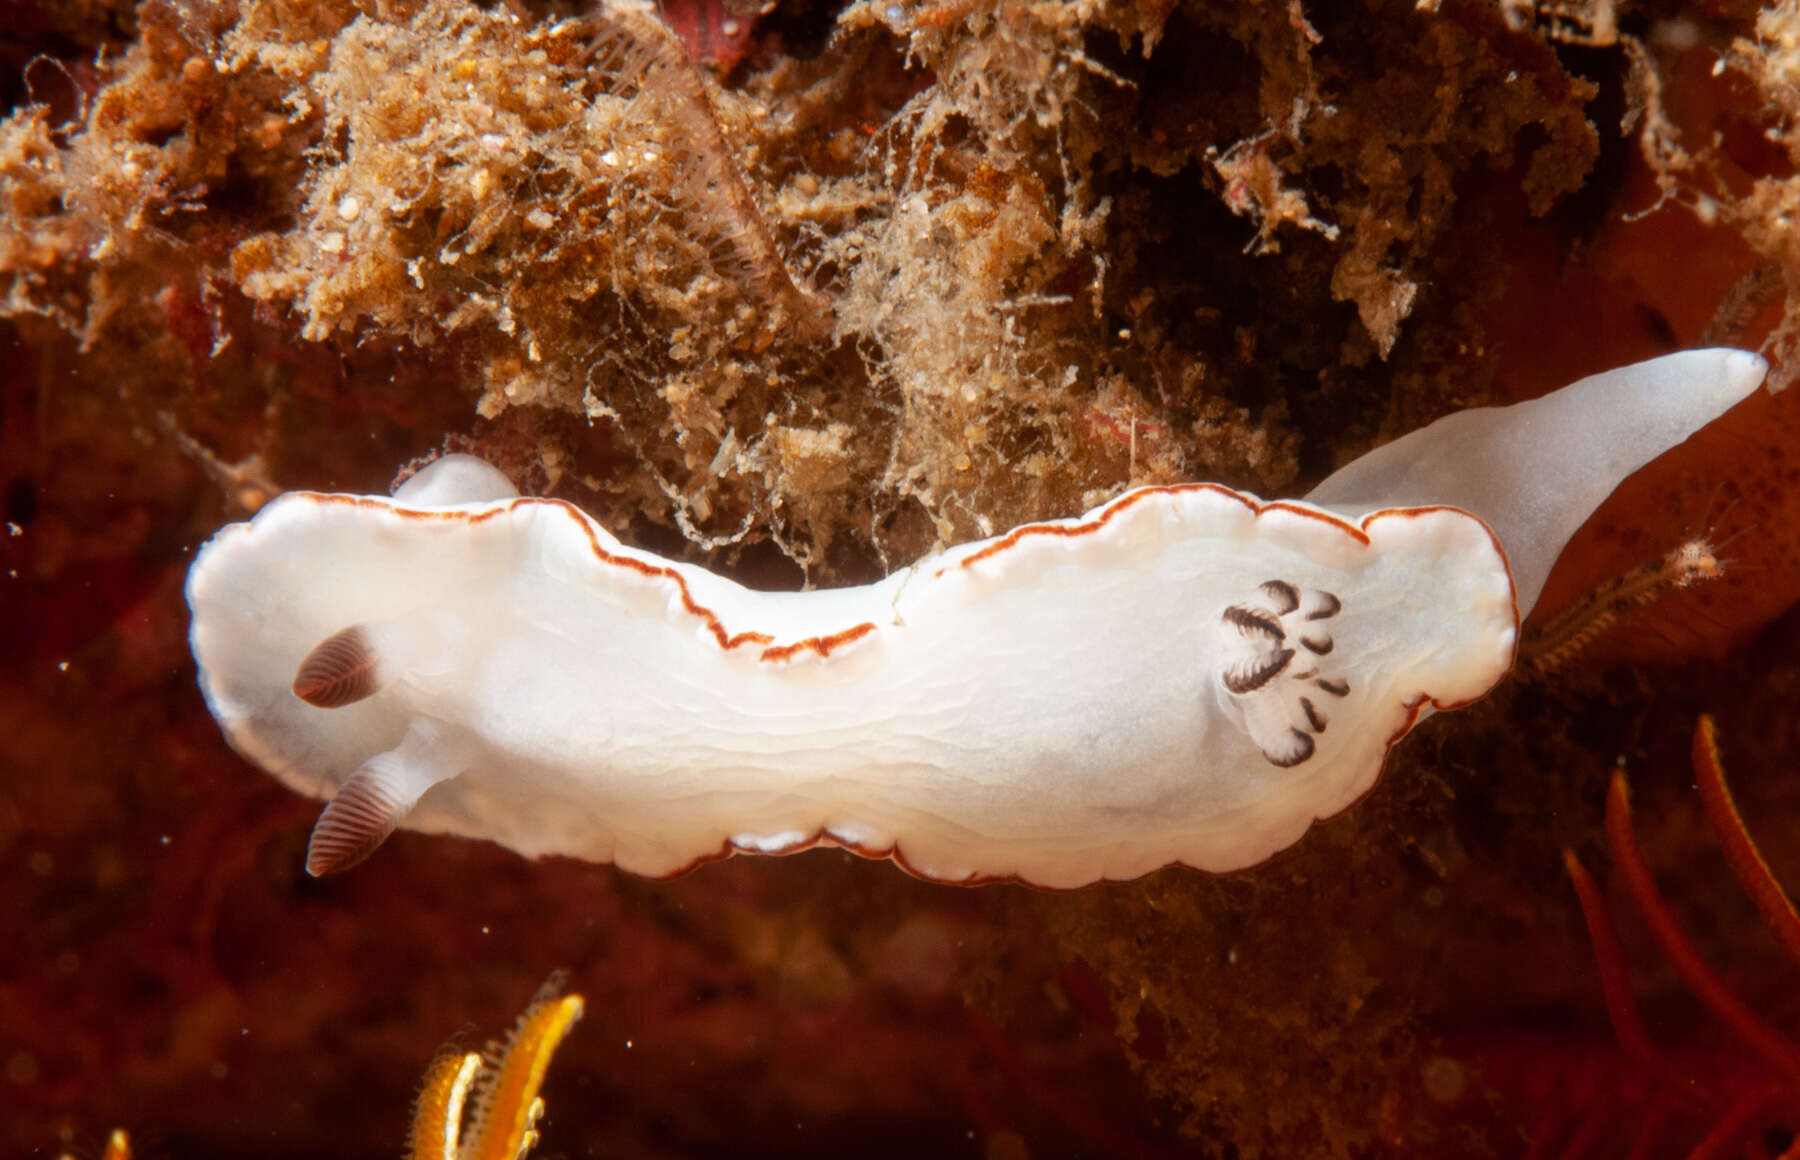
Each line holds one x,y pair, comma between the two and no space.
801,292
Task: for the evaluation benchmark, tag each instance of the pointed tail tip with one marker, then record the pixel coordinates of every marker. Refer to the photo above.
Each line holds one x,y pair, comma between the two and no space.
1710,379
1744,370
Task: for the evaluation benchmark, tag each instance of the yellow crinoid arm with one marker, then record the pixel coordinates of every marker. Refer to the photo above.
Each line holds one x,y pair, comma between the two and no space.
437,1117
507,1107
118,1147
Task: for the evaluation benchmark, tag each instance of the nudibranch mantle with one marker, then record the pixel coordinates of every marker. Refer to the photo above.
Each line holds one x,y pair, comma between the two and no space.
1184,674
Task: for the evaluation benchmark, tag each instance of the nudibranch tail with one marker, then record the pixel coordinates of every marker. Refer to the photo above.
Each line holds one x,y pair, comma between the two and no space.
374,799
1535,471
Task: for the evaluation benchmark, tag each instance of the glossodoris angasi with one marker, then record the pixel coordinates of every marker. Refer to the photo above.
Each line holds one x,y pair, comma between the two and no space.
1183,674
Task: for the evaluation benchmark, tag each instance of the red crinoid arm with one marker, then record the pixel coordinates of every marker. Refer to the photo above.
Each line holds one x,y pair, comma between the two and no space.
1746,860
1609,959
1065,1105
1593,1126
1650,1127
1731,1127
1700,978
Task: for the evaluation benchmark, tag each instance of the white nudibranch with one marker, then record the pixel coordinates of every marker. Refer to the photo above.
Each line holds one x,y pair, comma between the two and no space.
1184,674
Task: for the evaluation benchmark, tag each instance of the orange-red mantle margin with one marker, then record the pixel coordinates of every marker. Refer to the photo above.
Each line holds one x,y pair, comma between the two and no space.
825,645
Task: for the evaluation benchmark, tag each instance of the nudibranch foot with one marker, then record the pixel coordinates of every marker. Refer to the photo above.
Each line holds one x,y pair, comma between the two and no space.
376,798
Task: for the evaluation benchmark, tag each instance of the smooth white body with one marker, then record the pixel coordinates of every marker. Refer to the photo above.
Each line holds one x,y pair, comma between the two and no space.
1052,705
1052,711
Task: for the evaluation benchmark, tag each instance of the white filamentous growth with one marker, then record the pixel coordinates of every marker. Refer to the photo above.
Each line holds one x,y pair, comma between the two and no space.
1185,674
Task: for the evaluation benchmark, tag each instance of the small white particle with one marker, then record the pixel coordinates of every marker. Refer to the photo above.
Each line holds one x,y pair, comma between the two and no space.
332,243
164,839
493,142
14,529
628,1045
484,930
731,28
610,157
349,209
539,219
62,666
